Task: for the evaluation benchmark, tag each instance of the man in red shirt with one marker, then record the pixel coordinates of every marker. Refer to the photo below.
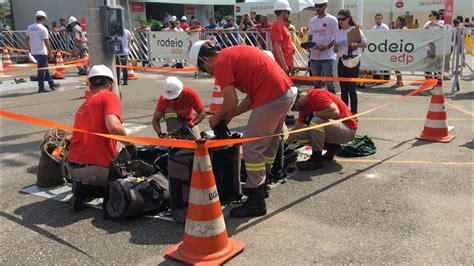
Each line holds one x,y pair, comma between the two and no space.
183,25
282,46
316,107
176,105
89,155
270,95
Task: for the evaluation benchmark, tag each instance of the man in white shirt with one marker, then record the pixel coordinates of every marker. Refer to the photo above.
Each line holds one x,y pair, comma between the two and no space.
322,30
37,40
122,59
379,25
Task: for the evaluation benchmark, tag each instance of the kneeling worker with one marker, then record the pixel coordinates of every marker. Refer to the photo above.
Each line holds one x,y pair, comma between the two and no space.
90,155
176,105
316,107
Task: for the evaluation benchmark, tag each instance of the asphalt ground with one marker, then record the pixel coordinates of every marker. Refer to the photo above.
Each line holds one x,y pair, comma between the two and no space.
411,202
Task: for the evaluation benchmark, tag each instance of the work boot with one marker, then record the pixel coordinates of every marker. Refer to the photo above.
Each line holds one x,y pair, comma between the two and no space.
54,86
266,189
254,206
82,193
313,163
331,151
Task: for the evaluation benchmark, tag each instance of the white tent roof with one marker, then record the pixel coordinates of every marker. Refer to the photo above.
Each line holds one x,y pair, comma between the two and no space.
266,6
193,2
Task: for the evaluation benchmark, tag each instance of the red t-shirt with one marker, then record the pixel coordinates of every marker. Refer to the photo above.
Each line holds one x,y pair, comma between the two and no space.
183,25
252,72
87,148
189,101
280,33
320,99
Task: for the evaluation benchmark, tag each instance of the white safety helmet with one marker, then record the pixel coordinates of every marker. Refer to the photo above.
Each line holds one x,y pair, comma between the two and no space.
184,18
194,52
41,13
100,70
173,18
172,88
351,61
319,2
72,19
281,5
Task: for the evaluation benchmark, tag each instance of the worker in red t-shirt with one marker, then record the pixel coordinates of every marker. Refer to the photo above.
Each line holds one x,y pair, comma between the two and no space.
176,106
316,107
282,45
89,155
270,95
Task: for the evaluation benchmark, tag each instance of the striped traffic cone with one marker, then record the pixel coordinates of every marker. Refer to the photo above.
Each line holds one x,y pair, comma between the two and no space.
60,62
217,100
205,238
87,93
436,127
7,62
131,74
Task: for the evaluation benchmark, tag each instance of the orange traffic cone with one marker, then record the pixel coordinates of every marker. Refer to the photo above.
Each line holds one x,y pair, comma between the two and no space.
131,74
205,238
217,100
7,62
436,128
57,75
60,62
87,93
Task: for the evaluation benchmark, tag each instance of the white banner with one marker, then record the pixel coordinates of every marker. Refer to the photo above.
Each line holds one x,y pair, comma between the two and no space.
406,50
171,44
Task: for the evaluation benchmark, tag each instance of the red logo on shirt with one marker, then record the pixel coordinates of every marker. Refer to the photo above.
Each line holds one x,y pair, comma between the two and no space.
325,25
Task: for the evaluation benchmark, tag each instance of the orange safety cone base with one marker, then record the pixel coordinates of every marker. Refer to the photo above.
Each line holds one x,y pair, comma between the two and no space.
178,253
87,95
444,139
132,77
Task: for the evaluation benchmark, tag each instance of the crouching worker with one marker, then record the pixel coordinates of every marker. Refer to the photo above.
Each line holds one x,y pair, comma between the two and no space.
316,107
176,105
90,155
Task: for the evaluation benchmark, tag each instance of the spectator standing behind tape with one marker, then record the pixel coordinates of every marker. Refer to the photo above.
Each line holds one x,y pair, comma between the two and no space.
214,28
433,24
172,26
264,26
400,24
80,43
122,59
247,22
181,107
195,27
270,95
89,155
143,31
322,30
349,55
380,26
183,23
37,41
229,26
282,47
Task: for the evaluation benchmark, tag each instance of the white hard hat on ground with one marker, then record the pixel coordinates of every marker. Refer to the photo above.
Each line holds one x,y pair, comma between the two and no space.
72,19
319,2
184,18
101,71
194,52
172,88
281,5
41,13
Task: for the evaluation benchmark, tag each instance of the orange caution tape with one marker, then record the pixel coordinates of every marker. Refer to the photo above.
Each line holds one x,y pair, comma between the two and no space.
188,144
159,68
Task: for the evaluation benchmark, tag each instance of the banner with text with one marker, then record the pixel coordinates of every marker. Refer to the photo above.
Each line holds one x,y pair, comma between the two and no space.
171,44
406,50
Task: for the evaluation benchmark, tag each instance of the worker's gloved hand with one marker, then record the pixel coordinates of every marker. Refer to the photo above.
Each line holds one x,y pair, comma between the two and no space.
162,135
184,130
308,118
132,150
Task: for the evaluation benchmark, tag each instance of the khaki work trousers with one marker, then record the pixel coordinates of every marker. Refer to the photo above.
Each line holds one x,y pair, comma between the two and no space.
338,133
265,120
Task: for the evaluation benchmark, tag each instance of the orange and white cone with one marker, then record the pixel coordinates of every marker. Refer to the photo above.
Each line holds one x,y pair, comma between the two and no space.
7,62
87,93
436,127
131,74
60,62
217,100
205,238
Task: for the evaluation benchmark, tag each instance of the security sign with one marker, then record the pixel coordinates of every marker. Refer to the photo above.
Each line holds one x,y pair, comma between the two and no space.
171,45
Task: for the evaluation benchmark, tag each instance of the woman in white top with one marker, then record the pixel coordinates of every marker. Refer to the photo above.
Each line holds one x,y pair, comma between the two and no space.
400,24
433,24
341,47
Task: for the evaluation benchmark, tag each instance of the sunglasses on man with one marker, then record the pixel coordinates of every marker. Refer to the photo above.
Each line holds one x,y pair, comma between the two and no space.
319,5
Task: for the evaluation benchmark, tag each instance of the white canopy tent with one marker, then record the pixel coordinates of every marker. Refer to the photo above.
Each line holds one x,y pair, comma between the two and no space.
266,6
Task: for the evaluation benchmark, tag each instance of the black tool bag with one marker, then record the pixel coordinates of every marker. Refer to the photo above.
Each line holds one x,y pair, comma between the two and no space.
156,156
123,166
132,196
180,168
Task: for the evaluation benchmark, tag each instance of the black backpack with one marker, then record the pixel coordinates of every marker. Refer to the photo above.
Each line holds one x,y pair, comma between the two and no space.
132,196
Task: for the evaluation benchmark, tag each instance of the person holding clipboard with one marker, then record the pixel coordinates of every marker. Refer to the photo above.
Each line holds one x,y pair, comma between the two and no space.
349,39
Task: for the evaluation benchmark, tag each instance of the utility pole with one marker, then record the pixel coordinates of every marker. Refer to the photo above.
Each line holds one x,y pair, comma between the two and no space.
96,39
